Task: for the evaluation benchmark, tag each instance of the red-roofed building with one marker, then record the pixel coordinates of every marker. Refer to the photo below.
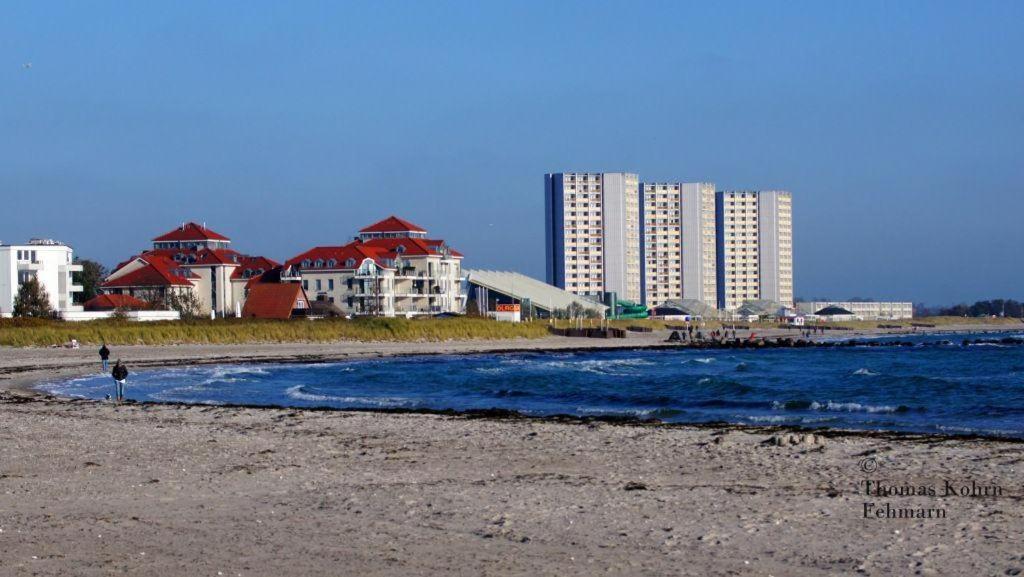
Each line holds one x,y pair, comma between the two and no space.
391,269
191,236
105,302
275,300
390,227
189,259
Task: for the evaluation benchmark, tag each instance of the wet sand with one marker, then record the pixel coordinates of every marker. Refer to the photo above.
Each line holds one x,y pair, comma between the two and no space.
92,488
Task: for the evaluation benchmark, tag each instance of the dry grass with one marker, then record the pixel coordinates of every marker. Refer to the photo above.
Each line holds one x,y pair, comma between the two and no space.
36,332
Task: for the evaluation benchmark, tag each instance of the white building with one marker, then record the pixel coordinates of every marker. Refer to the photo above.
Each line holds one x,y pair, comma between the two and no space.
868,311
391,269
592,233
755,247
678,243
189,259
50,262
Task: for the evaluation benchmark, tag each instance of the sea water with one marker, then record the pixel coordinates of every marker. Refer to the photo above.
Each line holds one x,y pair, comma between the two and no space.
947,388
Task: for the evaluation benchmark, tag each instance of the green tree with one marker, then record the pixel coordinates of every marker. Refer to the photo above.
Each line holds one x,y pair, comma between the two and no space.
32,300
90,278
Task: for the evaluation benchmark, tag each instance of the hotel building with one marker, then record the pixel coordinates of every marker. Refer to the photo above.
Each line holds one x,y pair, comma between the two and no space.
678,243
190,258
48,261
391,269
592,233
755,247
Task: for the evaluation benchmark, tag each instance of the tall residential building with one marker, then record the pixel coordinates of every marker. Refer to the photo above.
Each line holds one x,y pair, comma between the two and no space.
592,233
755,247
48,261
678,243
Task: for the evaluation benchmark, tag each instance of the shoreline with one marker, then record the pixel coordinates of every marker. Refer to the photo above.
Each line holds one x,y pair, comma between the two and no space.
95,488
27,381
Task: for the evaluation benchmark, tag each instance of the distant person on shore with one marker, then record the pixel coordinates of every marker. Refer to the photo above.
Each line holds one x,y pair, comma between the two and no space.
120,374
105,357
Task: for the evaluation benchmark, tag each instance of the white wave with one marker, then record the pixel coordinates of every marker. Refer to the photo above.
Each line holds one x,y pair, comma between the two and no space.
701,360
865,372
839,407
852,407
600,411
297,392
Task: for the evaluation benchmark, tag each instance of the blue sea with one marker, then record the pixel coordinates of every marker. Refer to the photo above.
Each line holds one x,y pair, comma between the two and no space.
932,388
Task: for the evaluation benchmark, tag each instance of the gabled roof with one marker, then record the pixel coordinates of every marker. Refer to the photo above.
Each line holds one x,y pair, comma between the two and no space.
393,224
412,246
200,257
272,300
110,302
256,265
190,231
356,251
156,271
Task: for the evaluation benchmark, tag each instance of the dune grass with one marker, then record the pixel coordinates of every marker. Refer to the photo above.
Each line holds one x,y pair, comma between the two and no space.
43,333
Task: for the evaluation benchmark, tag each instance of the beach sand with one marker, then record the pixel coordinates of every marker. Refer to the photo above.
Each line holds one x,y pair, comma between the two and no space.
92,488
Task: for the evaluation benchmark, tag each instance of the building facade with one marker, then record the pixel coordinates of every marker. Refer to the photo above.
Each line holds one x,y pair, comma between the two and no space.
868,311
755,247
391,269
48,261
592,233
678,243
191,260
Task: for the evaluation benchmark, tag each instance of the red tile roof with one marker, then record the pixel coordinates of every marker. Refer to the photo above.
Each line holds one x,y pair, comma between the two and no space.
110,302
156,271
273,300
190,231
356,251
393,224
256,265
200,257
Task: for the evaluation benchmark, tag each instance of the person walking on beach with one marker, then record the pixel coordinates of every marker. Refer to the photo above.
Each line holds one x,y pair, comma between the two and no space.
120,374
105,356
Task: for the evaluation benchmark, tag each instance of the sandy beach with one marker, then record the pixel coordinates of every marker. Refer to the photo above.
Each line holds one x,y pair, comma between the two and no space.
91,488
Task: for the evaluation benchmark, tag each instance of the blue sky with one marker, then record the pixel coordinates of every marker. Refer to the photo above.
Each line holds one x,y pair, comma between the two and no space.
896,125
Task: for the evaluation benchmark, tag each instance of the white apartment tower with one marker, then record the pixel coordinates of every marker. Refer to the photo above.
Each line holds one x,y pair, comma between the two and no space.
678,234
755,247
50,262
592,233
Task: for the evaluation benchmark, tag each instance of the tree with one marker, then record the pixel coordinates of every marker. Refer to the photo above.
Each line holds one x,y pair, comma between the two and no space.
32,300
90,278
185,302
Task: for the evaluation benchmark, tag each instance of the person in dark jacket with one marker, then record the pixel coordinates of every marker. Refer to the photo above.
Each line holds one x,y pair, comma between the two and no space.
120,374
105,356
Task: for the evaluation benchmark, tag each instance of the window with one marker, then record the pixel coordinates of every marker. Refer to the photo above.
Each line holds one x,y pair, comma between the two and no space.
350,263
319,285
330,285
319,263
305,285
331,263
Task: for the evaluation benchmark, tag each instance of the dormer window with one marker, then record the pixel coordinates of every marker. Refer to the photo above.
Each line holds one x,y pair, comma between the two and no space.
400,249
331,263
319,263
306,263
351,262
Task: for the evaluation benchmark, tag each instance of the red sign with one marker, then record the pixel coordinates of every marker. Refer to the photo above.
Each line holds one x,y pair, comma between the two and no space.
507,308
